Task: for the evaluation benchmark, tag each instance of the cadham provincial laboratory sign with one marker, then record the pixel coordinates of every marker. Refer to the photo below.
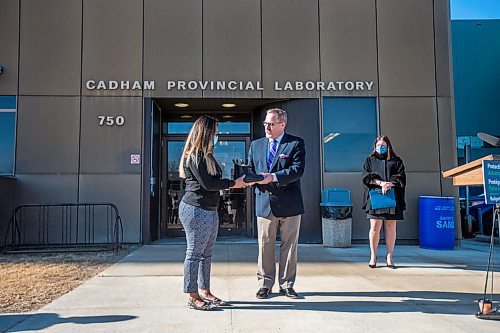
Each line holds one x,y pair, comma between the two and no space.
232,85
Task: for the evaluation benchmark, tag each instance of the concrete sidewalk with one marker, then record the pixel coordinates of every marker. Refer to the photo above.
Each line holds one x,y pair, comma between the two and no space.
431,291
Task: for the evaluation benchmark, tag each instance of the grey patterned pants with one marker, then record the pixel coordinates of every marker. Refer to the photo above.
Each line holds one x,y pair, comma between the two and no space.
201,228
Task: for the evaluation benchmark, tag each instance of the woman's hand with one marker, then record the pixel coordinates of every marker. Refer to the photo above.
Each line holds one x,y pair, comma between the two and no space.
386,186
239,183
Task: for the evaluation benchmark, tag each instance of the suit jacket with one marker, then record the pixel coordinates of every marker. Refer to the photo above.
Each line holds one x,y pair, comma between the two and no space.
282,198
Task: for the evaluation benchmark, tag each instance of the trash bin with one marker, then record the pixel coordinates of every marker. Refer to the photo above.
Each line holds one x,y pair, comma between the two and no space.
436,222
336,213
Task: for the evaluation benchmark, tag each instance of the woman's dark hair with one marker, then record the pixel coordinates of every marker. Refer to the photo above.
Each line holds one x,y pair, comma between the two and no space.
390,151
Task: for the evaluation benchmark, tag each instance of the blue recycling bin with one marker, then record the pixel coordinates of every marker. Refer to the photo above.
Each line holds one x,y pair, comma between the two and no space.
436,218
336,217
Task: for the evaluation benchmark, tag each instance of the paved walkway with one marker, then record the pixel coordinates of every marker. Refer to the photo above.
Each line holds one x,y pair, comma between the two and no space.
432,291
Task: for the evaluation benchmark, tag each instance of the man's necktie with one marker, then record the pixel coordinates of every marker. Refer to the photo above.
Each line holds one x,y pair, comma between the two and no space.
272,153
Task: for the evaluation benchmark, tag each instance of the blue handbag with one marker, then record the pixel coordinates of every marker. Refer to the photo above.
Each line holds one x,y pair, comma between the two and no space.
379,200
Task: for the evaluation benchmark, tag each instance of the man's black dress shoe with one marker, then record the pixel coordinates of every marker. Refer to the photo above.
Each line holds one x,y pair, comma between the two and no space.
289,292
263,293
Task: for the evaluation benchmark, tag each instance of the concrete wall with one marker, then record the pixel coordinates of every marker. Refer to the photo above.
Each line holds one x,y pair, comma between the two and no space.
63,153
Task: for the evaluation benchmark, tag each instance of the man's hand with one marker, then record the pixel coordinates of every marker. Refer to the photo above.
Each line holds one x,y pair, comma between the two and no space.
267,179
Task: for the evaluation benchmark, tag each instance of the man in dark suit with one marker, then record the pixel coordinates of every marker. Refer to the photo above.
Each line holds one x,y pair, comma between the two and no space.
280,158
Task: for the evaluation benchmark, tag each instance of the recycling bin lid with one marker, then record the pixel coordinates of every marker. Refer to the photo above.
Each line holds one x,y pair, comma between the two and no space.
336,197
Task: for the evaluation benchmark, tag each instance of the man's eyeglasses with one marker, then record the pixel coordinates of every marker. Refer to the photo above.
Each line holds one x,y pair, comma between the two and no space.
271,124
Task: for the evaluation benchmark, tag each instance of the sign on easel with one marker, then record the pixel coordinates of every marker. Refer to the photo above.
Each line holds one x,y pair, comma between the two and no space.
491,176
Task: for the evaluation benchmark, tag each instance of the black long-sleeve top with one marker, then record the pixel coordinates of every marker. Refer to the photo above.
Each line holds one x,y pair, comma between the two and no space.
385,170
202,189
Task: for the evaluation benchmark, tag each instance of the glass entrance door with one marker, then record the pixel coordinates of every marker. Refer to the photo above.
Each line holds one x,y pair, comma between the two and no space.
233,212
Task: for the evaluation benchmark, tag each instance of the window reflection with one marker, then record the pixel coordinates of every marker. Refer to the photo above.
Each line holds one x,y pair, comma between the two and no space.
7,134
349,129
224,127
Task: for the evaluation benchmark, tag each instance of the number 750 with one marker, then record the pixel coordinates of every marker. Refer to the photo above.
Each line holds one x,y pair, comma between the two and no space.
111,120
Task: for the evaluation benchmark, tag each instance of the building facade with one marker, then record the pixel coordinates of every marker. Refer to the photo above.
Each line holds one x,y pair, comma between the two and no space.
101,94
476,73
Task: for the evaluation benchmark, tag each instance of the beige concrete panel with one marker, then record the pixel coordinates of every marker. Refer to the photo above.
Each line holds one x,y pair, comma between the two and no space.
417,184
172,45
290,46
348,43
352,182
411,124
48,134
406,48
232,45
112,44
447,134
122,190
442,31
107,149
50,52
9,39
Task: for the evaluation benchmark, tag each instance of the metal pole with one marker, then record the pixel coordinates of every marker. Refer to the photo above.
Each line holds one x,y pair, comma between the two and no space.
467,212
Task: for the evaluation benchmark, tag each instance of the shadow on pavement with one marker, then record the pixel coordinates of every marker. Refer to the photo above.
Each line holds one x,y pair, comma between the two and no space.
413,301
40,321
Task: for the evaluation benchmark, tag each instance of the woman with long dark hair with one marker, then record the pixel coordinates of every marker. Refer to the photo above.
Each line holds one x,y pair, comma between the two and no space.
384,170
198,210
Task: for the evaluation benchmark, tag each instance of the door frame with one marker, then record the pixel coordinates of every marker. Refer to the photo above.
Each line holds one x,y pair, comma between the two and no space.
246,231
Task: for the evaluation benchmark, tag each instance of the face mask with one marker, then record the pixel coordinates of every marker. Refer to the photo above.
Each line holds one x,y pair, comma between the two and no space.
381,149
216,139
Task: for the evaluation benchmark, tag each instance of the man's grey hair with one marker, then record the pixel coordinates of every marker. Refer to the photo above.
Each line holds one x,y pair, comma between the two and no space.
281,114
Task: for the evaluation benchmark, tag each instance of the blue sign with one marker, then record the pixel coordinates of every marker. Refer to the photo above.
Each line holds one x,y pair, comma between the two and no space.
491,176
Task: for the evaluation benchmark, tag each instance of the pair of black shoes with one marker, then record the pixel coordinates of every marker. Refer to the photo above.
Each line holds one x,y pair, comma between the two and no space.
288,292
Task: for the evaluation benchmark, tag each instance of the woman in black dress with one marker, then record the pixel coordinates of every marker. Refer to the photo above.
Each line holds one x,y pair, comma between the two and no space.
384,170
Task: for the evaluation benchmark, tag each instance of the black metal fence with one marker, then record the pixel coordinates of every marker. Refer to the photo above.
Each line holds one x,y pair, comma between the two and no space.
64,227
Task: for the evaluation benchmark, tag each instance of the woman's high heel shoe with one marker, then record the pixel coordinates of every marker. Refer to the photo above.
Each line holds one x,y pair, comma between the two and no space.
374,265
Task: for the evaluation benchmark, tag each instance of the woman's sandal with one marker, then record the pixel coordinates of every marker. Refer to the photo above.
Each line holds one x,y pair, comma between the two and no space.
216,301
207,306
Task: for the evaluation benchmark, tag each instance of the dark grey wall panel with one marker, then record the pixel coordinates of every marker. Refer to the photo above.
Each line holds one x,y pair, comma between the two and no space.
7,185
43,189
40,189
112,44
9,32
290,45
352,182
232,44
348,43
47,134
107,149
444,69
302,112
411,124
417,184
122,190
406,48
172,44
50,55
